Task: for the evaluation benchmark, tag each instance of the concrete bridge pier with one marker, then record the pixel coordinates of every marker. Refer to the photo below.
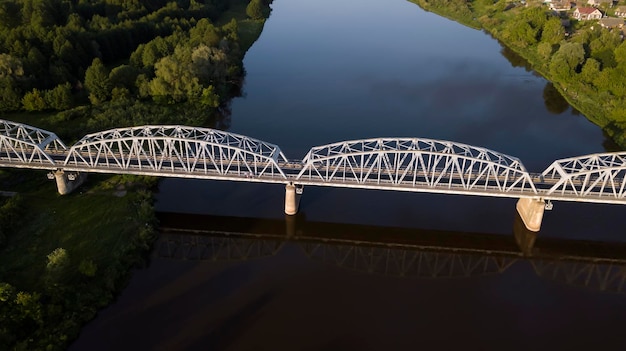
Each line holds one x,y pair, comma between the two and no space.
531,212
292,198
67,182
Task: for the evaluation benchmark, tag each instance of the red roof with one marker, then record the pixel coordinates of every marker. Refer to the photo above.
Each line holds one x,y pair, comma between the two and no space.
586,10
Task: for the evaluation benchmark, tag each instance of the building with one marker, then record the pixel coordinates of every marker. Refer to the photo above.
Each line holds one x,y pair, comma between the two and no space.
611,22
620,11
587,13
597,3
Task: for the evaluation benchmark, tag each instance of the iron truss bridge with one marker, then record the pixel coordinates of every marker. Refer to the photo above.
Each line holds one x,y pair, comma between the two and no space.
400,164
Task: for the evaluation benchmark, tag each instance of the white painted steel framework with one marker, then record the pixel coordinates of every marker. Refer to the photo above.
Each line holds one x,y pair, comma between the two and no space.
23,145
598,175
417,163
168,150
405,164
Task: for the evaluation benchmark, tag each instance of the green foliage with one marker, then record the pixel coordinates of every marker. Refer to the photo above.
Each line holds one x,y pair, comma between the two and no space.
60,98
587,66
256,10
57,260
566,61
97,82
11,214
34,101
553,31
88,268
109,51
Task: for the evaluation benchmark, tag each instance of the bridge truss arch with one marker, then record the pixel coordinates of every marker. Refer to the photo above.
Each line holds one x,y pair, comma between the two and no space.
167,150
418,163
597,176
21,144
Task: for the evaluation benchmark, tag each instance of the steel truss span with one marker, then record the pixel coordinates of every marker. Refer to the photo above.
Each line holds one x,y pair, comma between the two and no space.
598,176
176,151
417,164
400,164
23,146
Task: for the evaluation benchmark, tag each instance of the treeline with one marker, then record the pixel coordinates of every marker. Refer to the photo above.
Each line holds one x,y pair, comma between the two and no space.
587,63
55,54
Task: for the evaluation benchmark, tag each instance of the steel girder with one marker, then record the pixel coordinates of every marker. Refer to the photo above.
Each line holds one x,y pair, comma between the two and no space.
165,150
24,144
417,162
601,175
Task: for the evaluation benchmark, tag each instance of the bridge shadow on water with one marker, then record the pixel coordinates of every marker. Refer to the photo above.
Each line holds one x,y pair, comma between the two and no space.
393,251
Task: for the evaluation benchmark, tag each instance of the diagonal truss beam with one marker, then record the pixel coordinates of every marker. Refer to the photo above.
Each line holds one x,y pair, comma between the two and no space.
413,162
24,144
177,149
596,175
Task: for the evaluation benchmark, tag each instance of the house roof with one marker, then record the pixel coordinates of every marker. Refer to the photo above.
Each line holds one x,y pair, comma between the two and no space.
611,21
586,10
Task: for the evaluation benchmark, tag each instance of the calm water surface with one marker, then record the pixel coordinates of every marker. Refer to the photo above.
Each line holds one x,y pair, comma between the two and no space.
325,71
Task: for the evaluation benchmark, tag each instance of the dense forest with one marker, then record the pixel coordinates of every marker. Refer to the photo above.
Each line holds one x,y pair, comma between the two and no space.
585,62
76,66
59,54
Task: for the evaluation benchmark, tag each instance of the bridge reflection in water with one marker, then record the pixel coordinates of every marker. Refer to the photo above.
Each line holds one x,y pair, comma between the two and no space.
399,252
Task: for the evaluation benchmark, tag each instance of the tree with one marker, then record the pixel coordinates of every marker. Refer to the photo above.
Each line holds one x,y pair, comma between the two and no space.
10,66
553,31
97,82
60,98
544,50
256,10
174,82
10,99
567,60
209,64
590,70
34,101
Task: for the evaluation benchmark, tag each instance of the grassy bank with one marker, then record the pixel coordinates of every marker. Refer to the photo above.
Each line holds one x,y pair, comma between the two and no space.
68,255
586,66
62,258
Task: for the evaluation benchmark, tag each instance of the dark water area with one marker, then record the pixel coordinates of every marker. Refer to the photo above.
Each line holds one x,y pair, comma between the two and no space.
326,71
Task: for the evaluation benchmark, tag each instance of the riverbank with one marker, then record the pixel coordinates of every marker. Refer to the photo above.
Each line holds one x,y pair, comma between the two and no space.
62,258
584,65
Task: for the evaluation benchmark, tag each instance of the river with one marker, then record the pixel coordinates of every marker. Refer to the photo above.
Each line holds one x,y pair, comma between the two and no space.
326,71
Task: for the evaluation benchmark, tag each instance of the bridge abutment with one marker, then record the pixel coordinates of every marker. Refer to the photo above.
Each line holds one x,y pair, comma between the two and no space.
531,211
292,198
67,182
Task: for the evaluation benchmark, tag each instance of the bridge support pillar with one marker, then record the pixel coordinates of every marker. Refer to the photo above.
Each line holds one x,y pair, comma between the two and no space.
531,212
292,198
67,182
